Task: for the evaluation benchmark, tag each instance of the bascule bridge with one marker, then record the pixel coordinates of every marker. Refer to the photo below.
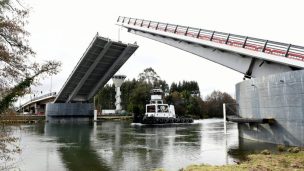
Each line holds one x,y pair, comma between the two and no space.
274,90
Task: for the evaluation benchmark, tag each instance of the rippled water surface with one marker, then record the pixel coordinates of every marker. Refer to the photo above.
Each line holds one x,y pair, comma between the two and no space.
121,145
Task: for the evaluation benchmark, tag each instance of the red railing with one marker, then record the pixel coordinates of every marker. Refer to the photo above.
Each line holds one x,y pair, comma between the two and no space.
266,46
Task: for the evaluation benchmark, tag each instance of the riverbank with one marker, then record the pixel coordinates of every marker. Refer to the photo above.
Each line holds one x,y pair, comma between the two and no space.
16,119
285,159
12,119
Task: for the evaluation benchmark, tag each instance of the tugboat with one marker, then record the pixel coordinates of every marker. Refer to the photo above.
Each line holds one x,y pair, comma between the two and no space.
159,113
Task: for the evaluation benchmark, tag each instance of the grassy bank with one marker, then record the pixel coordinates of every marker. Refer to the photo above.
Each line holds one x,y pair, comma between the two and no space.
284,159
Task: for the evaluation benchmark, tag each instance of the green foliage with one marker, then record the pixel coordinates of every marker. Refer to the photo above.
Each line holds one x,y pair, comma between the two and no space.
127,88
140,97
105,99
189,86
14,93
135,94
185,96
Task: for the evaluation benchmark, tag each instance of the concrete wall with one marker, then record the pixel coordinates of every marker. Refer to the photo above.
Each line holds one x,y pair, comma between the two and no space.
279,96
66,112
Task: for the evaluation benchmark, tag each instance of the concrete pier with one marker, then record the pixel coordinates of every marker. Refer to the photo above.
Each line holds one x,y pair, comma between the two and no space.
69,112
278,96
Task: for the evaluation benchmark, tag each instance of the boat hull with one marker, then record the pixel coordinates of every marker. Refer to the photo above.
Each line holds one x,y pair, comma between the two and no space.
163,120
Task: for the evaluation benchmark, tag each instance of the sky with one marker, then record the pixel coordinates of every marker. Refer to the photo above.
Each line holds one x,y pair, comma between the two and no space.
62,30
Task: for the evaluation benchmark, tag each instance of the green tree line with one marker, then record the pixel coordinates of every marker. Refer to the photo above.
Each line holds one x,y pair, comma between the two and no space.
185,96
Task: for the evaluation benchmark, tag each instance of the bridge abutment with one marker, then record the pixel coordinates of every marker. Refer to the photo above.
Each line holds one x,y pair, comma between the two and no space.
278,96
69,112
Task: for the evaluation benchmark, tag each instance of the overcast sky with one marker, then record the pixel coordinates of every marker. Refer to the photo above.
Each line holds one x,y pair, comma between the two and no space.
63,29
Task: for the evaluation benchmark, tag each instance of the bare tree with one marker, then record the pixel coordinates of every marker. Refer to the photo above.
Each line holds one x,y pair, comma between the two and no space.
18,71
16,56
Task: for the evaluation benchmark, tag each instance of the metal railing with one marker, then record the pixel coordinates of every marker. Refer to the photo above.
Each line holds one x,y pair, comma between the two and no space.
52,94
43,96
250,43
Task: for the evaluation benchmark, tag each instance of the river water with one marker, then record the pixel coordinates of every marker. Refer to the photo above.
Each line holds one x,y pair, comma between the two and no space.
121,145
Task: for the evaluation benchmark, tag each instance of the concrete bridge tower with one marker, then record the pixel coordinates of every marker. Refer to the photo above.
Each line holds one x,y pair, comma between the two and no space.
118,80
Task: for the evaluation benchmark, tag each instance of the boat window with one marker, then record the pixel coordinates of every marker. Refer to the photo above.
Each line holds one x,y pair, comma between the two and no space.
162,108
150,109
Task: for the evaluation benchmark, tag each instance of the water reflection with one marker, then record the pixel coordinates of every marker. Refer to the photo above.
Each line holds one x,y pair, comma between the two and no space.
76,151
115,145
135,147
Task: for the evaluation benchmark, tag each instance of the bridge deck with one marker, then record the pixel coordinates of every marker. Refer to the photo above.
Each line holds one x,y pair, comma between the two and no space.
255,44
45,97
250,56
98,64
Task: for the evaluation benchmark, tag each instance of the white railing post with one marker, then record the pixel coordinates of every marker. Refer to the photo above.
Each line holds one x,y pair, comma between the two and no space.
224,119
